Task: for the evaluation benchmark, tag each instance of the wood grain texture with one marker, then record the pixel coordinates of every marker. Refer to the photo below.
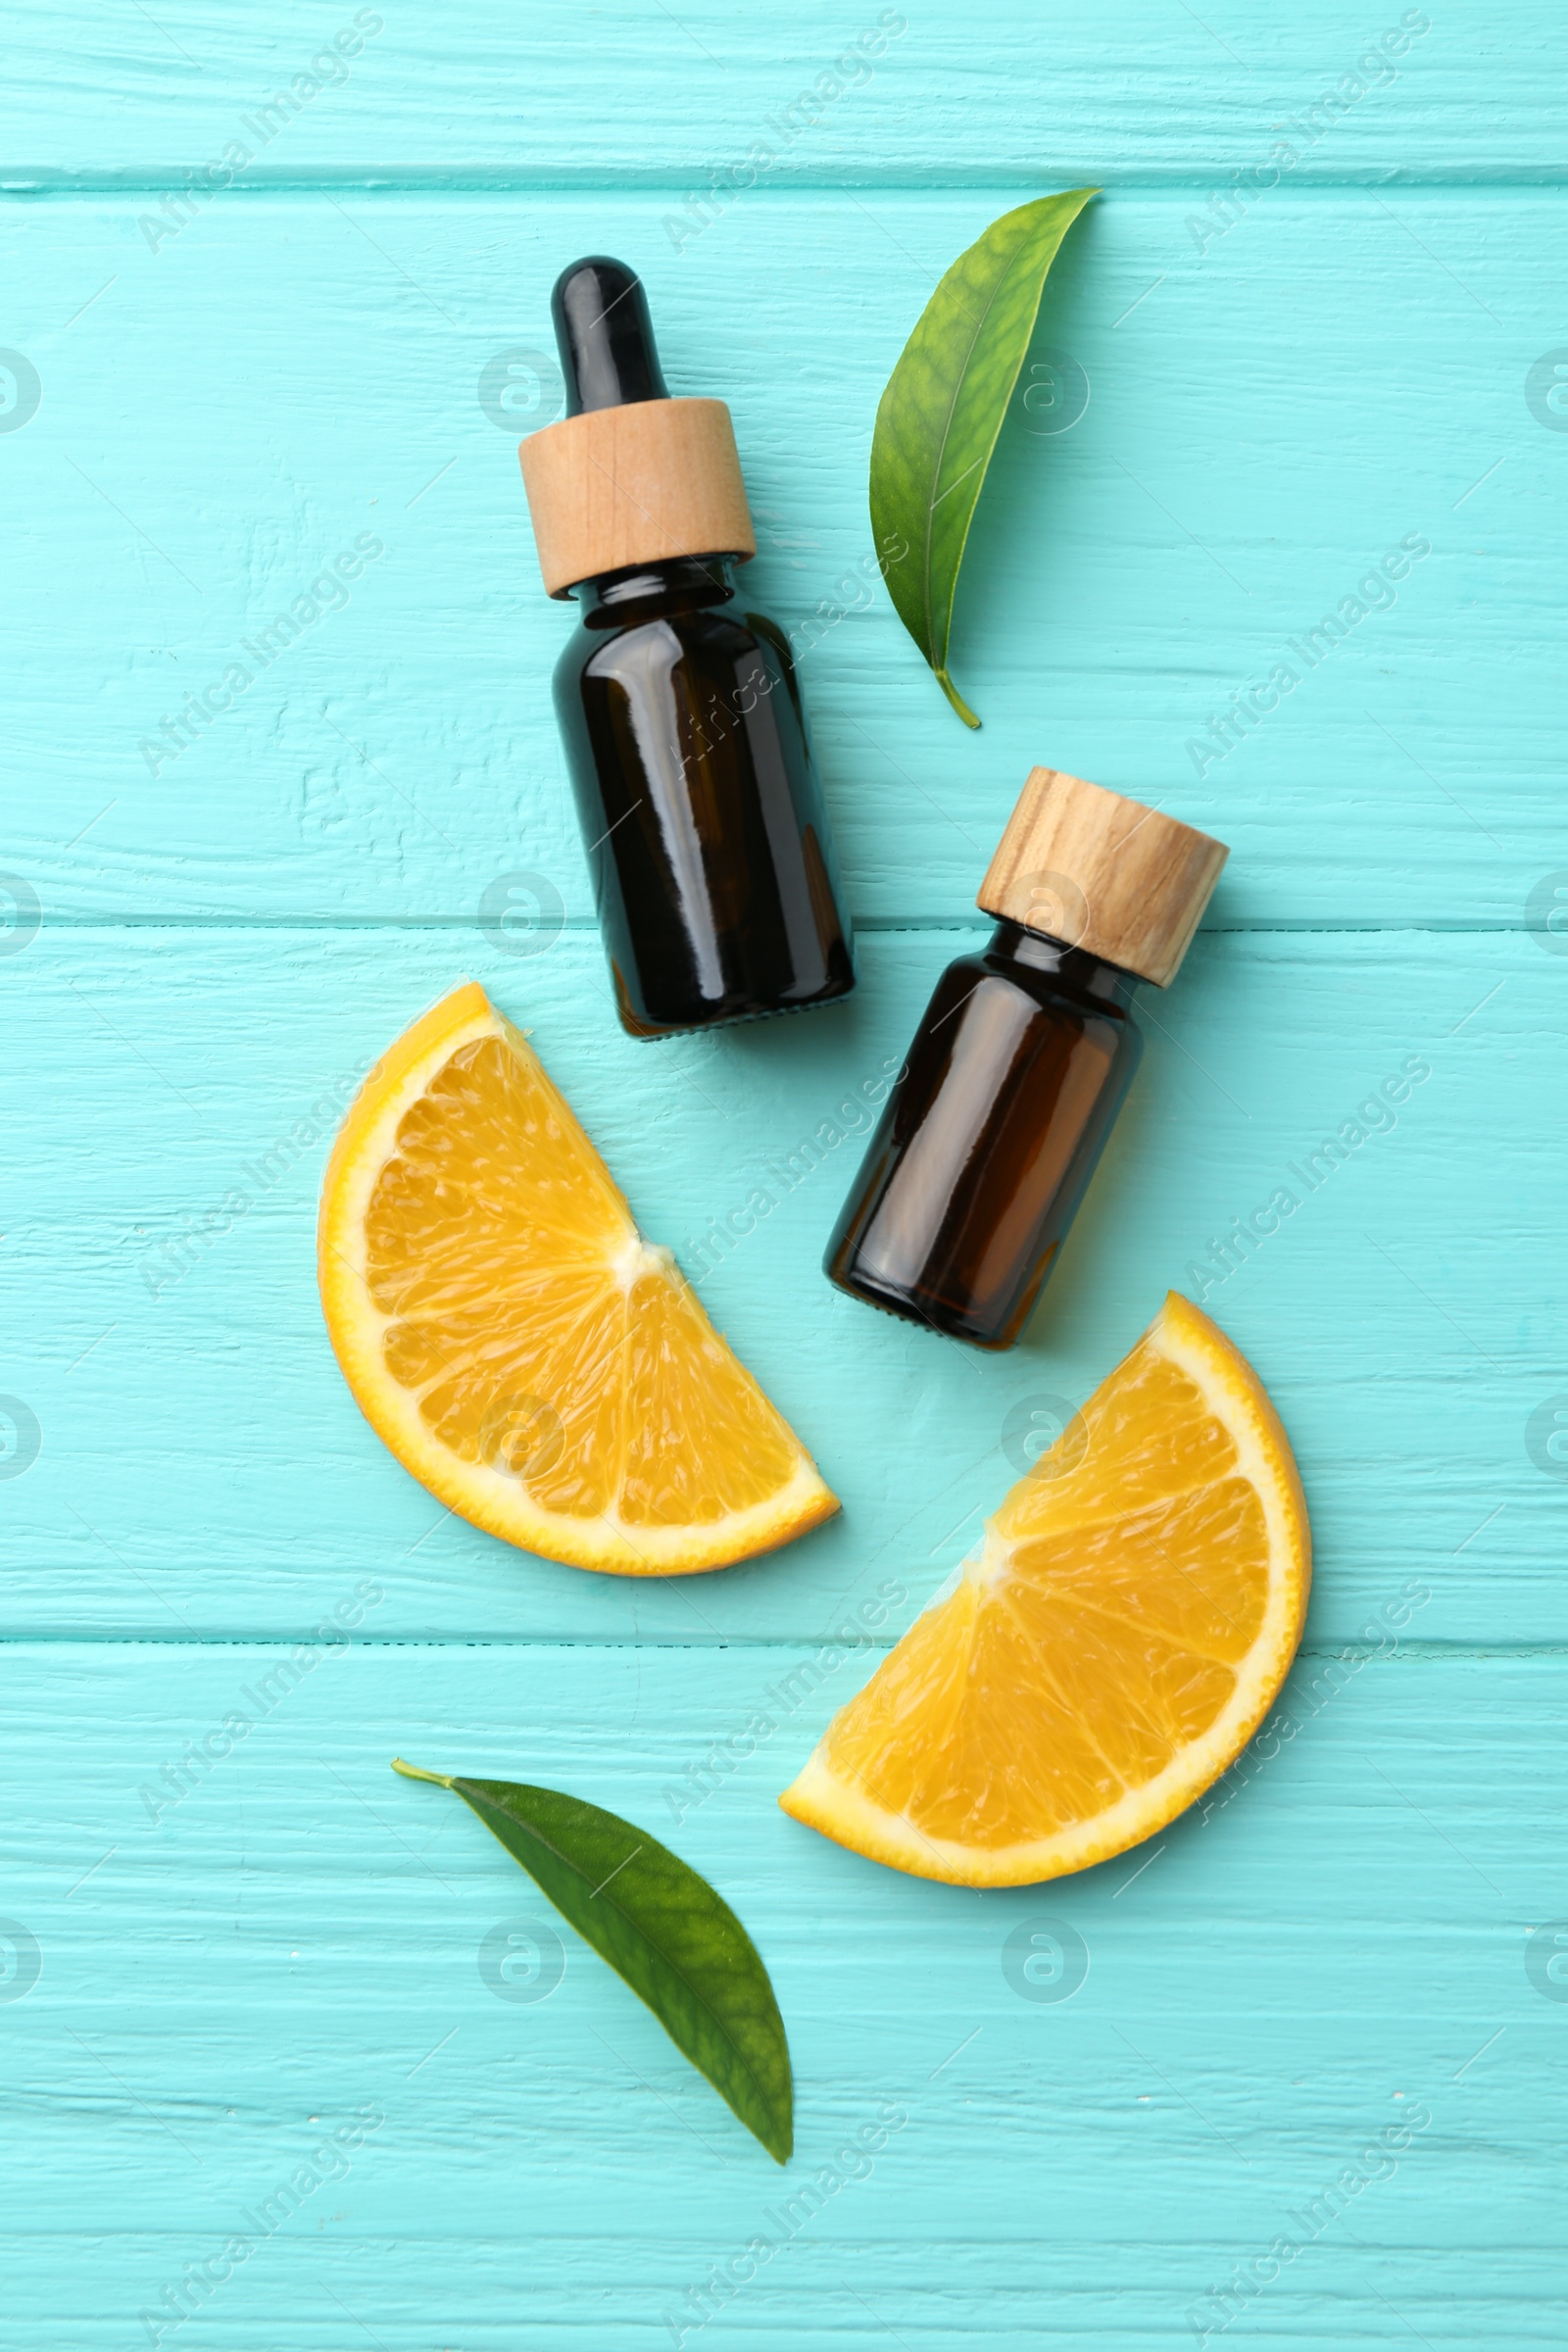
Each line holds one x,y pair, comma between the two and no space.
1104,873
1405,1335
617,487
631,93
1268,420
300,1936
241,384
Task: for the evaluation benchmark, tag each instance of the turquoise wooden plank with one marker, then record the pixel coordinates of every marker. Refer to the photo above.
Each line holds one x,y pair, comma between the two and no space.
1352,1935
1262,436
204,1470
628,92
1337,1954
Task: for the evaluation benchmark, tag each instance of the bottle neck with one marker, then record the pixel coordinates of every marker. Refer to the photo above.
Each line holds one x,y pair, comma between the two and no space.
685,583
1073,970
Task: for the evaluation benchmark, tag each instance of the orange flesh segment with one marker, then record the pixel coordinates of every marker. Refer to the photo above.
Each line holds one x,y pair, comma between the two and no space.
520,1345
1120,1635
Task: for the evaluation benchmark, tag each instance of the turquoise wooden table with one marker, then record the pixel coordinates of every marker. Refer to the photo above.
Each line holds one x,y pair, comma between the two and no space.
1300,2081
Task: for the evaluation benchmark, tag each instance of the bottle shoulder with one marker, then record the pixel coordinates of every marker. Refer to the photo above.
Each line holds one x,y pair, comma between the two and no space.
706,634
1053,995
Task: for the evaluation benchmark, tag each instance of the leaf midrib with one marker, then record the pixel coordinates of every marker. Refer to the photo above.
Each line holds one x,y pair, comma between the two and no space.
942,451
672,1965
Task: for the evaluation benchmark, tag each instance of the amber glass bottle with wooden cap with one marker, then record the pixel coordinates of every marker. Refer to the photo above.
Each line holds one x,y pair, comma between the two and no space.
1016,1073
713,871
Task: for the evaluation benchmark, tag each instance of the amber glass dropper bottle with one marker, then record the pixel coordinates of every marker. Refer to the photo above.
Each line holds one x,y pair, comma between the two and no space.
713,871
1012,1086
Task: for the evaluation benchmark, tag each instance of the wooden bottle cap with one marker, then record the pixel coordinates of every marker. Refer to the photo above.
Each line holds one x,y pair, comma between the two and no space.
1098,871
617,487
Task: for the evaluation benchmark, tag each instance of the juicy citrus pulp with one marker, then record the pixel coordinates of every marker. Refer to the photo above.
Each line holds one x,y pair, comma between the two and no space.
521,1349
1106,1653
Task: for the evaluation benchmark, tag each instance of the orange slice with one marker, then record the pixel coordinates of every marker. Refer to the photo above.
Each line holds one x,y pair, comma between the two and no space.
1106,1653
510,1334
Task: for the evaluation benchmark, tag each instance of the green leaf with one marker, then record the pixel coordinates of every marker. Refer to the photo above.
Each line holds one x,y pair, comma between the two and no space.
938,420
677,1944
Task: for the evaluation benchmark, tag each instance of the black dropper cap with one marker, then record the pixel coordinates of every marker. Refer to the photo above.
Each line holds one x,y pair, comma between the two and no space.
604,337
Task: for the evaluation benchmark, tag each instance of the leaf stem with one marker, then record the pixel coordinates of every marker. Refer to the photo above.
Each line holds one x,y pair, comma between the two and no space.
957,699
412,1772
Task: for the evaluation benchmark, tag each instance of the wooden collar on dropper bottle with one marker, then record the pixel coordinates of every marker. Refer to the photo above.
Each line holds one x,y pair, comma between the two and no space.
628,475
1098,871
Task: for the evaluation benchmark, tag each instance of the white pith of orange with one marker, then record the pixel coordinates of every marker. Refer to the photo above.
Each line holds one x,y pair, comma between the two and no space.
512,1338
1106,1651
